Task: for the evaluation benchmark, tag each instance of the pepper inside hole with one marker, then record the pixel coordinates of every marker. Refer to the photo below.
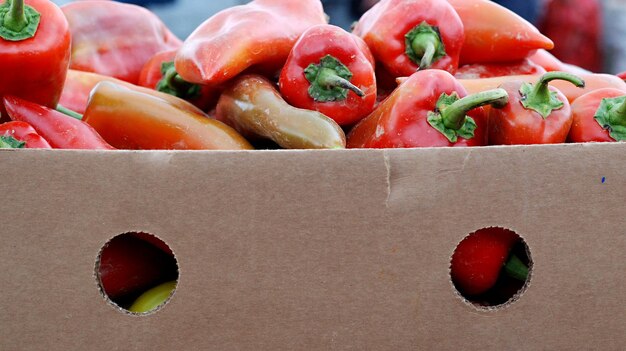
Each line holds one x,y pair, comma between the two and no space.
137,272
491,267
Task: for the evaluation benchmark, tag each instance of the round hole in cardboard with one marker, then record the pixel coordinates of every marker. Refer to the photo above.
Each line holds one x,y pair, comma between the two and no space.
136,272
491,267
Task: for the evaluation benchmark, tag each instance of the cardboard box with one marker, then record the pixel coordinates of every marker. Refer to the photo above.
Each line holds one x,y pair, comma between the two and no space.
315,250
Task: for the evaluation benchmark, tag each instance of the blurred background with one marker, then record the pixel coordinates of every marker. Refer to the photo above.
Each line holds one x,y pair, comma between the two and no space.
587,33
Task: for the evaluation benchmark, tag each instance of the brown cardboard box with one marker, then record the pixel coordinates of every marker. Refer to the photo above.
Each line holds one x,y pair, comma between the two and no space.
315,250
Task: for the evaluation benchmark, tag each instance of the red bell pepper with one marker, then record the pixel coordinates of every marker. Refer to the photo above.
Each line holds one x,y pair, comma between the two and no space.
490,70
535,114
34,51
480,258
115,39
407,35
328,71
260,34
17,134
129,265
132,119
429,109
160,74
60,130
599,116
494,33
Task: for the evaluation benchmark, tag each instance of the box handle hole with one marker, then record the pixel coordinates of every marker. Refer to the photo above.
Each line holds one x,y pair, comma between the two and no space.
137,272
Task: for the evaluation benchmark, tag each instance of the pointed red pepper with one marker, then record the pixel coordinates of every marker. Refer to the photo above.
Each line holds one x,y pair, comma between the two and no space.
599,116
535,114
257,35
115,39
60,130
34,51
407,35
329,70
429,109
490,70
18,134
481,257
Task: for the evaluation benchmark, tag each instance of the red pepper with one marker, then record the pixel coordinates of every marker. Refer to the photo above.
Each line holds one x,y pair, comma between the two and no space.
599,116
550,63
17,134
494,33
535,114
78,85
407,35
489,70
327,71
480,258
34,51
160,74
115,39
129,265
429,109
60,130
622,75
260,34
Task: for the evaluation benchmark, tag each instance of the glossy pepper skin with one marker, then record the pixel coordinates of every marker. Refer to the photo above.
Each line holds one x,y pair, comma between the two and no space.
255,108
328,70
599,116
494,33
550,63
160,74
429,109
34,68
115,39
490,70
259,34
407,35
18,134
60,130
129,265
131,119
535,114
481,257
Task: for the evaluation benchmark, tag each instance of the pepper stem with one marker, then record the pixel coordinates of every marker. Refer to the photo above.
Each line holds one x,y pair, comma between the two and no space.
540,98
424,45
515,268
66,111
17,21
617,115
329,79
172,83
454,115
450,114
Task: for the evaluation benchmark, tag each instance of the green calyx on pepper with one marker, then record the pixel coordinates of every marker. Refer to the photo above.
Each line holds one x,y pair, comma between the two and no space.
18,22
9,142
611,115
450,116
330,80
424,45
539,98
172,83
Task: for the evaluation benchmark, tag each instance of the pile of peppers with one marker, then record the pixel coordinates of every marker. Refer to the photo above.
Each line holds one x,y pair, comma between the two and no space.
106,75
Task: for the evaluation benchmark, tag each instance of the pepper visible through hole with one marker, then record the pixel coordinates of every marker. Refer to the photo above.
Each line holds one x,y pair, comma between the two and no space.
491,267
137,272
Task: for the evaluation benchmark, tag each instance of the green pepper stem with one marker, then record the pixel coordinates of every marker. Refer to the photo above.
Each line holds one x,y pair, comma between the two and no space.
175,81
425,45
515,268
328,78
15,19
541,91
617,115
454,114
66,111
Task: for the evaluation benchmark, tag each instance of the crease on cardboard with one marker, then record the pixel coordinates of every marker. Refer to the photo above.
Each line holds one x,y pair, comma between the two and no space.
388,169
